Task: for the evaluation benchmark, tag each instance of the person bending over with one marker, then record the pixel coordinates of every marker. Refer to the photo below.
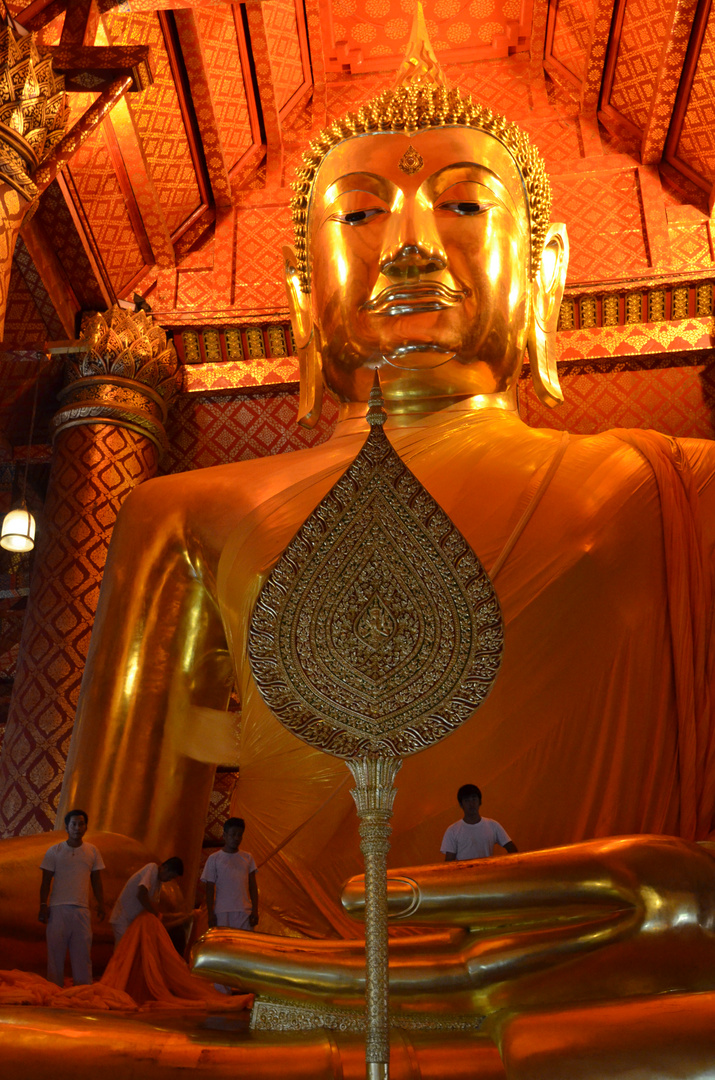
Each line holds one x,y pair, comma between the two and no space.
230,879
474,836
141,893
68,869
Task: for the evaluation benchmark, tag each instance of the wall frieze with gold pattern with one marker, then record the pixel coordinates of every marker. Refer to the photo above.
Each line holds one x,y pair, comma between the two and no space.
247,358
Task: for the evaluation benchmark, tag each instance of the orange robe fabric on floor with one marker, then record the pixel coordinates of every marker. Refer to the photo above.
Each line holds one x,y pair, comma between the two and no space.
145,971
146,966
24,988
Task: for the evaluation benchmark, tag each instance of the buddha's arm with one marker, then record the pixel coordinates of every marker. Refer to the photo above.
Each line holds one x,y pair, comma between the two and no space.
596,920
158,650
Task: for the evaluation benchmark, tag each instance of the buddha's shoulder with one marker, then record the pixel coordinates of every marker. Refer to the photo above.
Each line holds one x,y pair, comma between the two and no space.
233,489
630,449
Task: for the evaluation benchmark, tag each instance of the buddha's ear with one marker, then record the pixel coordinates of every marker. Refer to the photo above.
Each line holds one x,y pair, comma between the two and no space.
548,291
301,320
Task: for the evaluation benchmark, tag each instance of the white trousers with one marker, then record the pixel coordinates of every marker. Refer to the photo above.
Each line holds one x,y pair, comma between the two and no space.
69,927
237,920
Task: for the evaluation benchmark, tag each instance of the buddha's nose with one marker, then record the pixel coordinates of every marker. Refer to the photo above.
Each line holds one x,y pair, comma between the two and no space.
411,261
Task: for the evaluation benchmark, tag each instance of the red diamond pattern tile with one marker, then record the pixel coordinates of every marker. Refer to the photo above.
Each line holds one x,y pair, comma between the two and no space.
37,290
696,145
572,34
677,401
283,48
159,121
62,236
215,429
645,27
690,245
96,181
602,211
223,64
23,322
94,469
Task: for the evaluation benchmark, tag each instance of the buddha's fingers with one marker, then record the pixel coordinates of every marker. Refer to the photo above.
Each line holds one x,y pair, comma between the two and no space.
576,883
325,971
460,969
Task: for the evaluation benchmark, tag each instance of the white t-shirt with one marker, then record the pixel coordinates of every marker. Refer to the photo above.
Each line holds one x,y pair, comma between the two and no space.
229,873
473,841
71,867
128,905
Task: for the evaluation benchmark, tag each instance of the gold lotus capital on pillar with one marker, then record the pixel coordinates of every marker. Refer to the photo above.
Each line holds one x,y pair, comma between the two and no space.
128,376
33,110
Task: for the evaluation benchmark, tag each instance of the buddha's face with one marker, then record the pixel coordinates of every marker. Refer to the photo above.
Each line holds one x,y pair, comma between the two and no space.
423,274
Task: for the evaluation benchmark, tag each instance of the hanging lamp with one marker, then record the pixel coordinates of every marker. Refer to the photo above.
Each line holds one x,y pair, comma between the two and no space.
18,527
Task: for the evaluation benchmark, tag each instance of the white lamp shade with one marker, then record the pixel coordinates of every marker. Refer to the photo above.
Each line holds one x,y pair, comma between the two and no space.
18,531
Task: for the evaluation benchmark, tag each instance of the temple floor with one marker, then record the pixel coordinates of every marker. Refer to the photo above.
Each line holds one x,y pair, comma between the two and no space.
40,1043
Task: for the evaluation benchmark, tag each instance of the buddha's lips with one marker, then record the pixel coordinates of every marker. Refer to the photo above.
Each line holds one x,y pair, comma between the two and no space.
409,299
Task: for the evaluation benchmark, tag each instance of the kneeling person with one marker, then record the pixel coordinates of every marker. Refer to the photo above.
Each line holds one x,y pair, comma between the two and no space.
230,879
141,893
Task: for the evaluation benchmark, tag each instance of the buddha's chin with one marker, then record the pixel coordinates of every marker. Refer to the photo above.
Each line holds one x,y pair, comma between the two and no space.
413,358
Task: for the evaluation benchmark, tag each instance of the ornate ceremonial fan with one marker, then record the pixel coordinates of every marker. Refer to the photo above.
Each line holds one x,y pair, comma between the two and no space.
377,634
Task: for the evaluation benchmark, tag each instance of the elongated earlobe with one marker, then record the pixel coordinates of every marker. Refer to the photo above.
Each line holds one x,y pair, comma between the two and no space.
301,318
311,384
548,291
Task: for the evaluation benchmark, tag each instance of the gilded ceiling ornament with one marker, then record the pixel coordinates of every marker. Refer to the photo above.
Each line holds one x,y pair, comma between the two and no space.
33,109
411,161
419,100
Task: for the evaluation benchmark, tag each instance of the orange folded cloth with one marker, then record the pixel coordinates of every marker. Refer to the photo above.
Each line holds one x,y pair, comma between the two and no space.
24,988
146,965
145,971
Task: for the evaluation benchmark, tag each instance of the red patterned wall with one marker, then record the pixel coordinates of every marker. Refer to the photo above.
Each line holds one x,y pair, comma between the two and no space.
604,217
283,48
572,34
677,401
644,31
374,33
63,239
23,322
96,182
207,430
159,120
223,65
696,146
94,469
36,288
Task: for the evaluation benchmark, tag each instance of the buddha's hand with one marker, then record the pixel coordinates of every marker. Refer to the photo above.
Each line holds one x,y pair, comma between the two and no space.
602,919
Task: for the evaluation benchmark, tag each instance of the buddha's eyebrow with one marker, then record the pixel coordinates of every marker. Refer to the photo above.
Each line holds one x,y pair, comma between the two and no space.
359,181
461,171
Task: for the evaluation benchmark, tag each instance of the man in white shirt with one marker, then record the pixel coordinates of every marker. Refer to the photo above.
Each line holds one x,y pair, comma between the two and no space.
141,893
474,836
230,879
69,868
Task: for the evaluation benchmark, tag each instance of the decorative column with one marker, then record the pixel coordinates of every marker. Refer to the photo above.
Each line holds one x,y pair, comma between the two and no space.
33,117
108,436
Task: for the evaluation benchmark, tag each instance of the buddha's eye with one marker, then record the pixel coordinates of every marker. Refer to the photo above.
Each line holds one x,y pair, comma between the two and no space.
358,217
466,209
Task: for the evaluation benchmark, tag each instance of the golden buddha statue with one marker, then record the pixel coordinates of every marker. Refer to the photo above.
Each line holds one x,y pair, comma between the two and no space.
424,249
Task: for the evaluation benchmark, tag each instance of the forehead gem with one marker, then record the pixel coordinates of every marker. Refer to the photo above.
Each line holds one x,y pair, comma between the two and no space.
411,162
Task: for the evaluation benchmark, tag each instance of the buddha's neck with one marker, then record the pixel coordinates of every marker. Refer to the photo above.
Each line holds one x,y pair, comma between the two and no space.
351,415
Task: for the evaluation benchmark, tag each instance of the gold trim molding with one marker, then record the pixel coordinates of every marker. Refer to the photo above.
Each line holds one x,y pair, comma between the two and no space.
270,1015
